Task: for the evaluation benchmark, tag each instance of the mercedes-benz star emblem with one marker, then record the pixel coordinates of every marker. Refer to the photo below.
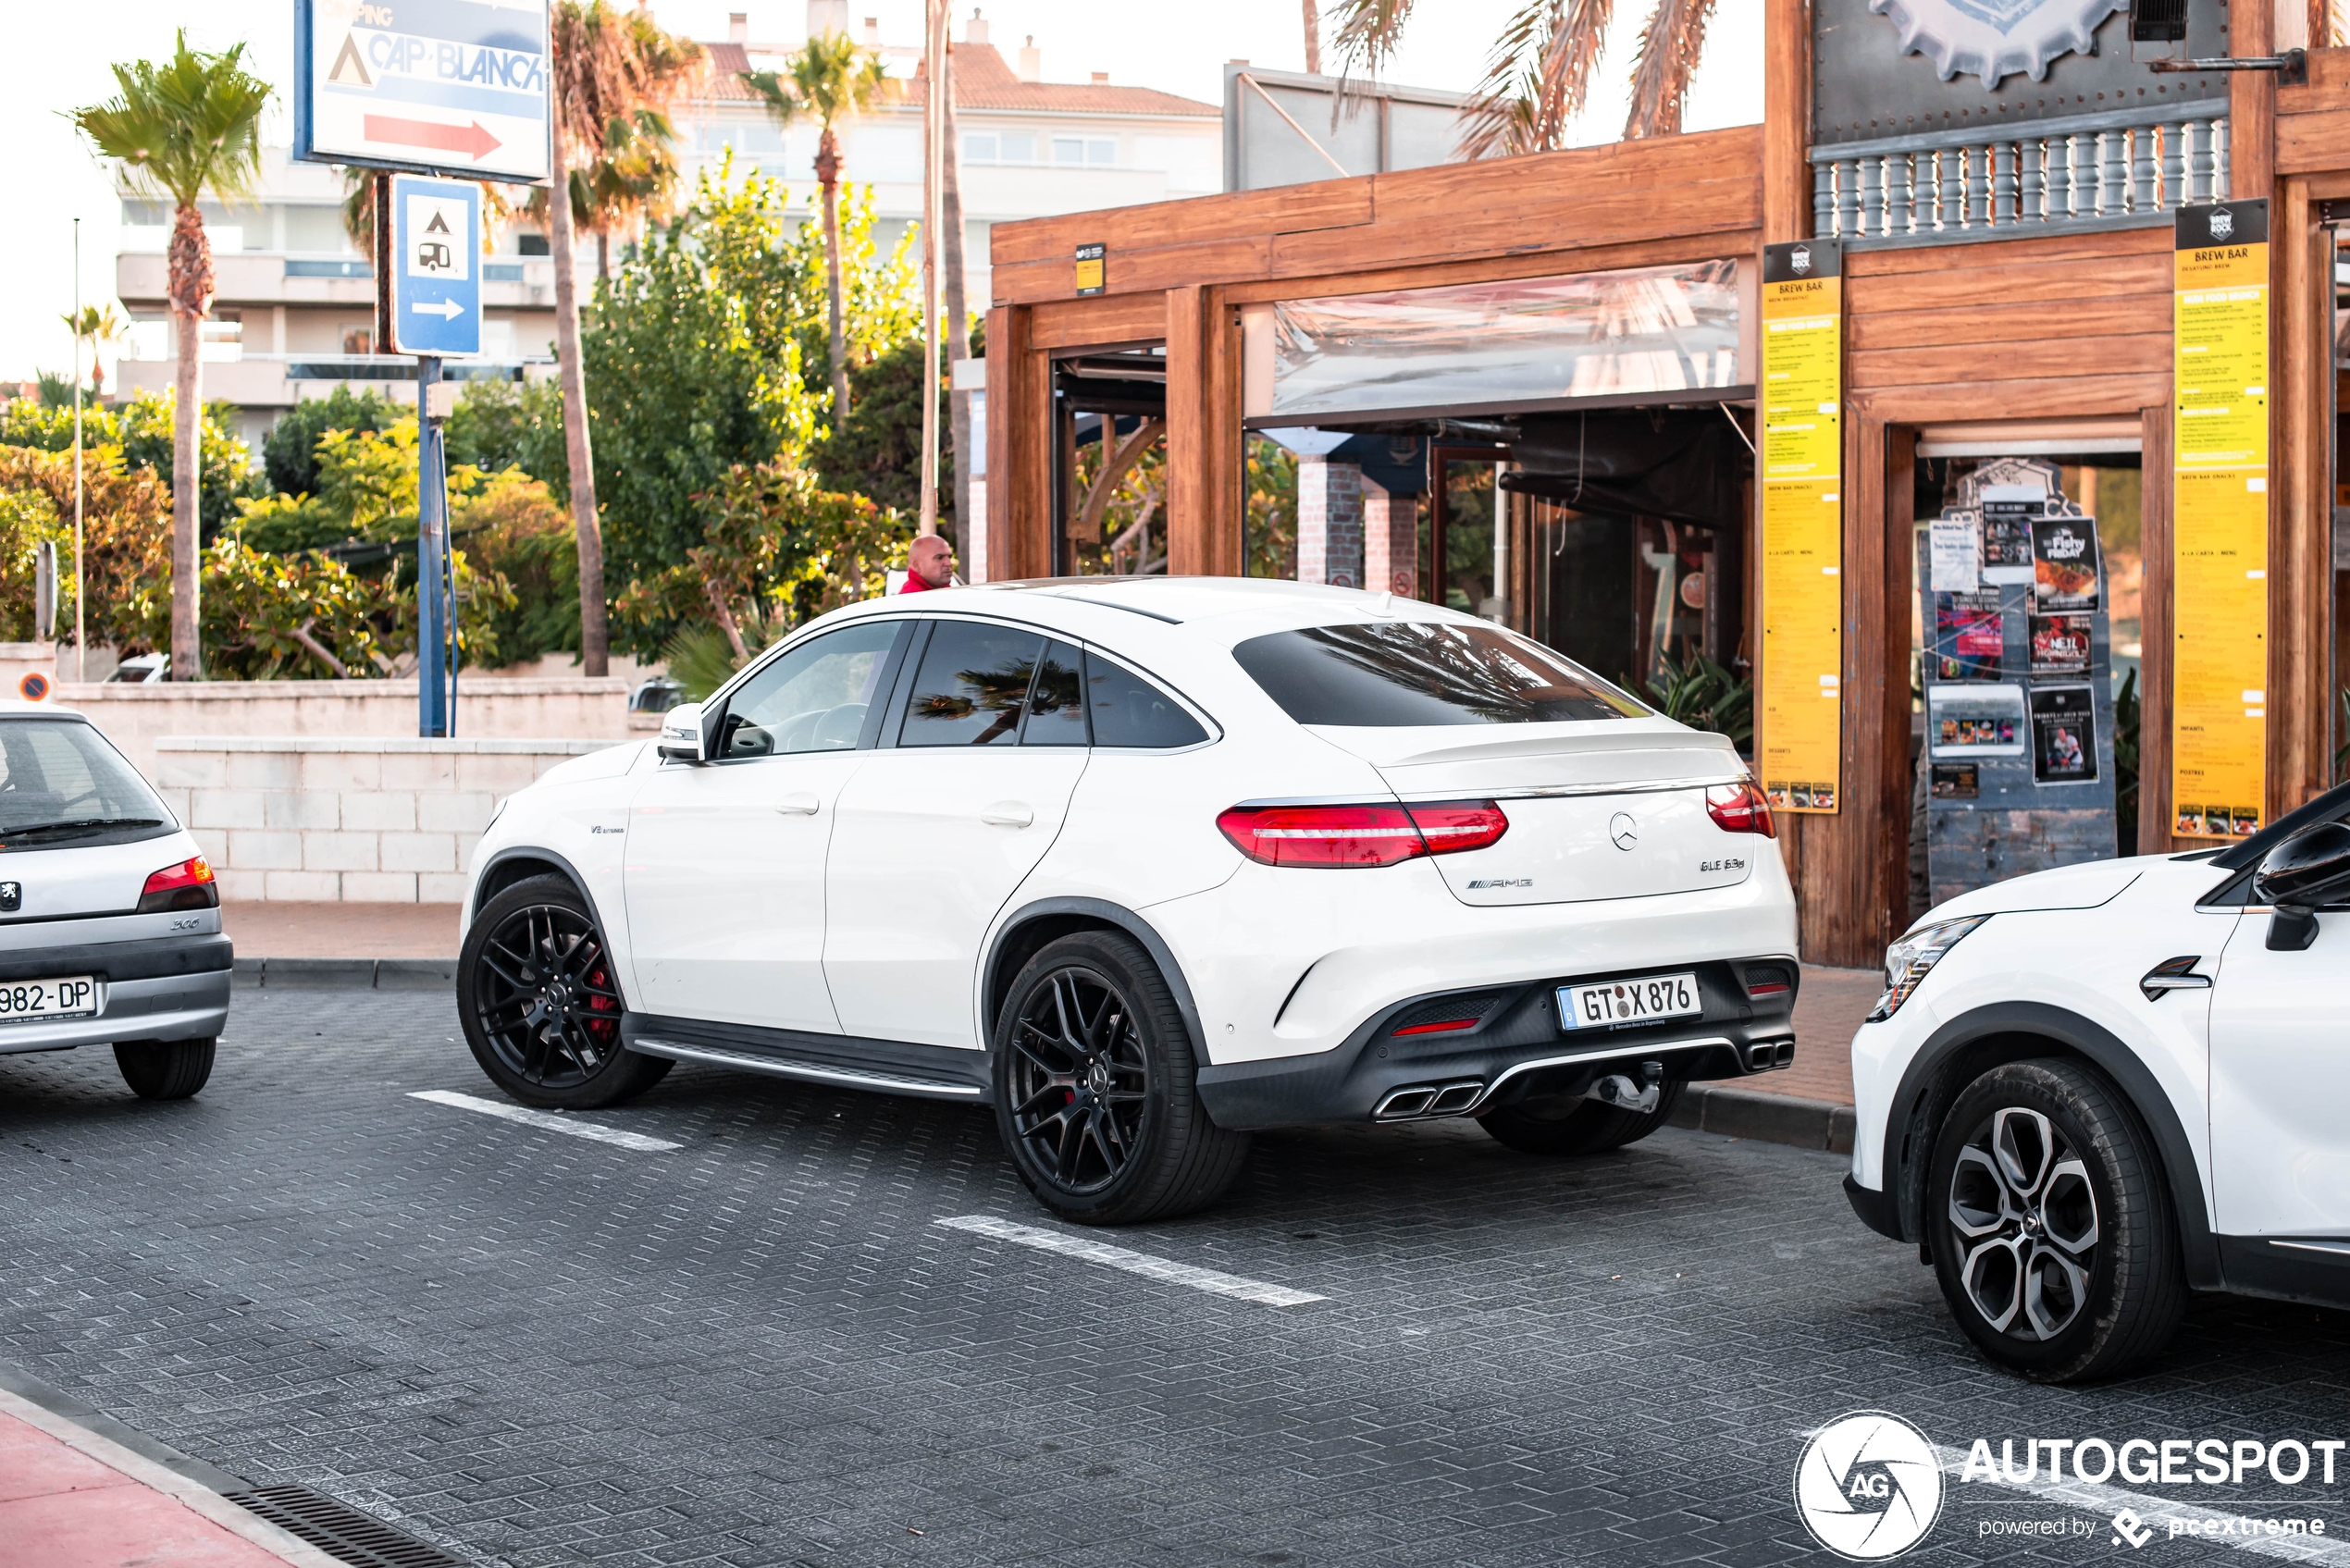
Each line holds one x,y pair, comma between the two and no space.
1623,831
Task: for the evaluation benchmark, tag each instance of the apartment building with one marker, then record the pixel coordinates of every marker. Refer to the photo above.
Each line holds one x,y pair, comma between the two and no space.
293,310
1030,148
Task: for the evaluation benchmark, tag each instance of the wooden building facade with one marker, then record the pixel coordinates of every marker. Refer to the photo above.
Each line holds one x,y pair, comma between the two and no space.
2030,327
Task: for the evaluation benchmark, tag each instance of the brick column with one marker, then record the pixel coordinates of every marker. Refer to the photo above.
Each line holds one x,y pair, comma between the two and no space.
1390,541
1329,522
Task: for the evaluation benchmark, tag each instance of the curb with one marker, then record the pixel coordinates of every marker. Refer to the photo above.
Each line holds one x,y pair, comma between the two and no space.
345,974
1767,1118
190,1482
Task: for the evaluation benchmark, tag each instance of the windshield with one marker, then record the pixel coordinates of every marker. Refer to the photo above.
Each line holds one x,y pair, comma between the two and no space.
61,783
1393,674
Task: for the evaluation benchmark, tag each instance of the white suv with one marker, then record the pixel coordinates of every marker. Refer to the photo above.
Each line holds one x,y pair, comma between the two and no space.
1145,864
2088,1090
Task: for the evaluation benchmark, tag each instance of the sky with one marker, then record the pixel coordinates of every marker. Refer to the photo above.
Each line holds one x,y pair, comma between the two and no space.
58,59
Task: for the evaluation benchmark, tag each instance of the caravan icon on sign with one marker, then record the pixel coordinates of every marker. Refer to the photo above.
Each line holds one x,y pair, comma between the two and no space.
435,287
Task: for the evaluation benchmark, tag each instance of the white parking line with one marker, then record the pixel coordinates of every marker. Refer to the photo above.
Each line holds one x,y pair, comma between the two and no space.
1149,1268
2209,1525
548,1120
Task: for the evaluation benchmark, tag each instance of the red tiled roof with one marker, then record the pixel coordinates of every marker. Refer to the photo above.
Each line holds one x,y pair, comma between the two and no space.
984,82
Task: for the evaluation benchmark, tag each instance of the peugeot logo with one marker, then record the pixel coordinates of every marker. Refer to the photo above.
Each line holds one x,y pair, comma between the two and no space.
11,896
1623,830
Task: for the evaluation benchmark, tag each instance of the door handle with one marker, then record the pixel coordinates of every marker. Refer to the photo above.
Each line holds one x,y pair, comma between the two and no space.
1007,814
2174,974
800,804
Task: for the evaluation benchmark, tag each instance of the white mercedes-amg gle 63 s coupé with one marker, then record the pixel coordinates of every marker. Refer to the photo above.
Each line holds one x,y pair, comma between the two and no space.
1145,864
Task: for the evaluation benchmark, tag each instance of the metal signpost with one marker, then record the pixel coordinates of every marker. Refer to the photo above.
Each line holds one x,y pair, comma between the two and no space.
434,299
445,93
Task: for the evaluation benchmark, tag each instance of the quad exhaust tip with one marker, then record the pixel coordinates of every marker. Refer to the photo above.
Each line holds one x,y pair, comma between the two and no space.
1429,1100
1769,1056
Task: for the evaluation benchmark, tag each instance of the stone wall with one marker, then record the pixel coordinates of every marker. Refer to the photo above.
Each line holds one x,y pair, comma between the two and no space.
345,820
137,718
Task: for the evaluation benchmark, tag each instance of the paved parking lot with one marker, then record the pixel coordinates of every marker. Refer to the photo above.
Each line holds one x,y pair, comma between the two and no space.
761,1347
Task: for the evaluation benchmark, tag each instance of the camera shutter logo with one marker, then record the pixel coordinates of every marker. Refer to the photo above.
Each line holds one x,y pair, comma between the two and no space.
1868,1487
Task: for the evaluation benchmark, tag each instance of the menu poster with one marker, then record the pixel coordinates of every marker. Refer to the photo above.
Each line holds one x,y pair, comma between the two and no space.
2064,564
1799,689
2064,735
2060,644
2008,511
2220,511
1968,638
1975,720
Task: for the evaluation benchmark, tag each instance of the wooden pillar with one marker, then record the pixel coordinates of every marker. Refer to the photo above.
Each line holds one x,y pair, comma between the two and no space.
2300,505
2155,631
1787,120
2252,103
1020,415
1204,469
1853,887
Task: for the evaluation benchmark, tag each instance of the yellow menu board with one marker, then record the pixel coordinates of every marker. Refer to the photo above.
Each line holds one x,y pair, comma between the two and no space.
2220,670
1802,453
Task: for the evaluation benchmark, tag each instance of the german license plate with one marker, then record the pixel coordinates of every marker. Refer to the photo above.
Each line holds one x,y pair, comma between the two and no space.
1628,1001
21,1001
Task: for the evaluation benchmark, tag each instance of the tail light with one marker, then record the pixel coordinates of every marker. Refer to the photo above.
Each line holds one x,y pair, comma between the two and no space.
1740,808
1360,836
187,885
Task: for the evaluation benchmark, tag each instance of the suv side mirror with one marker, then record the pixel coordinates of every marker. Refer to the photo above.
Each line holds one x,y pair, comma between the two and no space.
2303,874
681,733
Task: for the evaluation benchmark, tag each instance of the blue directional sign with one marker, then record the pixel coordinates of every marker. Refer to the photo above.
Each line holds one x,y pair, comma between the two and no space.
436,266
455,87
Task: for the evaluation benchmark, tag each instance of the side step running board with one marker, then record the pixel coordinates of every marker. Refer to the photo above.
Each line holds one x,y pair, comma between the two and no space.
887,1084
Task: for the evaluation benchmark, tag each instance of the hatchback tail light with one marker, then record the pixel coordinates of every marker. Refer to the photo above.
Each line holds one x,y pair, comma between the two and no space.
1741,808
1361,836
187,885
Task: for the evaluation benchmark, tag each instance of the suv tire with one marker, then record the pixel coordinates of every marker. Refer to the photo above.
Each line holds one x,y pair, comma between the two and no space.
1578,1126
1095,1085
2050,1224
540,1005
165,1069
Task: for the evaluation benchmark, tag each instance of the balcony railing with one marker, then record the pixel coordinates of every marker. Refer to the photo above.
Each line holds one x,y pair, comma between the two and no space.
2122,169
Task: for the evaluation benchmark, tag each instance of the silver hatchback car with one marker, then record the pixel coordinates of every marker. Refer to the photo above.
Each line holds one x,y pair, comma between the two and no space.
109,915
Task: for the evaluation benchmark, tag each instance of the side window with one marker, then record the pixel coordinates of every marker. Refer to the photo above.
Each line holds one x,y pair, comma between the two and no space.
813,698
1129,710
972,686
1057,705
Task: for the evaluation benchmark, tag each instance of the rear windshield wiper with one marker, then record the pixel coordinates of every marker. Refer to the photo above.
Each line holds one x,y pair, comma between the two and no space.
77,824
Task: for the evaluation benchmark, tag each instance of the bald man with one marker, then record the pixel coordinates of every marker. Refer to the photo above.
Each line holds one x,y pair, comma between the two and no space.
930,564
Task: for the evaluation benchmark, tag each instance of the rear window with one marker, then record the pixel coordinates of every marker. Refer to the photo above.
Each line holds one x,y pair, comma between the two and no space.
61,783
1394,674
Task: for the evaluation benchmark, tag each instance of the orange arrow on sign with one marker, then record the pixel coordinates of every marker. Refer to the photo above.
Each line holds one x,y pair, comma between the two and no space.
473,139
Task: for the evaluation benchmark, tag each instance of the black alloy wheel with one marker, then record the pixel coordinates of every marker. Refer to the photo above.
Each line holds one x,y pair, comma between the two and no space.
1080,1080
1095,1088
540,1006
2051,1225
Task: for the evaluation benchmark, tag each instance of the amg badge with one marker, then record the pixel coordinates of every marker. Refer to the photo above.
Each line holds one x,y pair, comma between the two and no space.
1500,882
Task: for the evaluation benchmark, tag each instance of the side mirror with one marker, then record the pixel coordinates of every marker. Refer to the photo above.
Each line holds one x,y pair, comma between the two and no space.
2303,874
681,733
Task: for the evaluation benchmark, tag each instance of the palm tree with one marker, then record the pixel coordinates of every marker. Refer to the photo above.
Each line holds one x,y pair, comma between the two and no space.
1313,37
830,80
609,64
1539,74
187,126
631,183
97,325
